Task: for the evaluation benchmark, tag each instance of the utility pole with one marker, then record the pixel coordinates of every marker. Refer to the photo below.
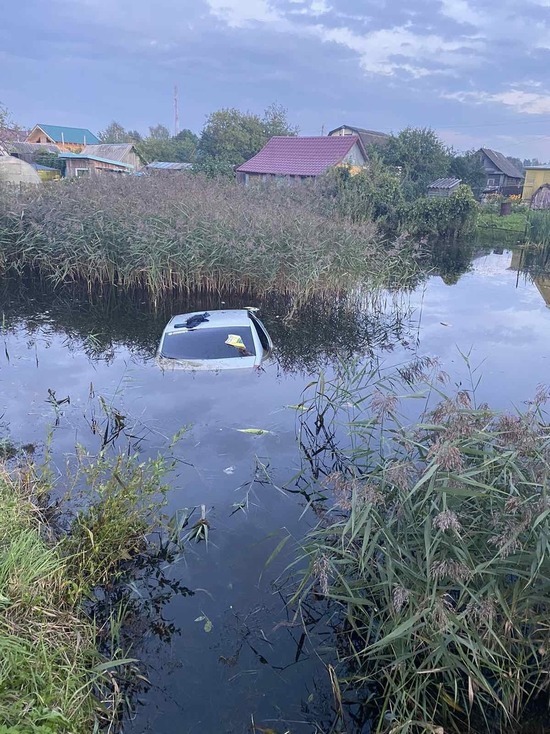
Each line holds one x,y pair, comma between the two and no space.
176,111
322,130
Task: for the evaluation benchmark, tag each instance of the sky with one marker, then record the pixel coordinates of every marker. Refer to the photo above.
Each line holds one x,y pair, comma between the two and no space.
476,71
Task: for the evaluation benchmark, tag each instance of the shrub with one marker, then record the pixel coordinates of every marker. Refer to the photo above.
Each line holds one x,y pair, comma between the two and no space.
447,218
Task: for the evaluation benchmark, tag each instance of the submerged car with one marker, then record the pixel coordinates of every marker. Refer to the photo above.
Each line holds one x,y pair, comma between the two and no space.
215,340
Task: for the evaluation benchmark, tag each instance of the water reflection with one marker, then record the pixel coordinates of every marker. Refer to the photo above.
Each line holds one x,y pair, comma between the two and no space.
307,336
534,264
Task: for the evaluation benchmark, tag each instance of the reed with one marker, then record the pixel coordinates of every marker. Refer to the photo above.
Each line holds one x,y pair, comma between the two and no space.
432,548
187,233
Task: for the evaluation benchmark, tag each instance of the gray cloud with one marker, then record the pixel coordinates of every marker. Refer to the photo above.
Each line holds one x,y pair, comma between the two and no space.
474,71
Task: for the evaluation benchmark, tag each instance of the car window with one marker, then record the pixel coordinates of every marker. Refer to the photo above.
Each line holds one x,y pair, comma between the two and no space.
262,334
207,343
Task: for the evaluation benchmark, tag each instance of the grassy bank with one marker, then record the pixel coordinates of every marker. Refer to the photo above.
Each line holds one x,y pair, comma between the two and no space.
182,233
432,549
61,665
48,655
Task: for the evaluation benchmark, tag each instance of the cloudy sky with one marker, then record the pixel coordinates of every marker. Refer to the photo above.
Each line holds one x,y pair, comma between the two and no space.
477,71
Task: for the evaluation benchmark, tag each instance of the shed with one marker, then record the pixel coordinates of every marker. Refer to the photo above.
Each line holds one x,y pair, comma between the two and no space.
299,158
443,187
541,198
122,152
29,151
79,164
47,173
16,172
535,177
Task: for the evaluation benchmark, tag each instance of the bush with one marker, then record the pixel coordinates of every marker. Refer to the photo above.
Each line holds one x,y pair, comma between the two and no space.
445,218
372,194
433,551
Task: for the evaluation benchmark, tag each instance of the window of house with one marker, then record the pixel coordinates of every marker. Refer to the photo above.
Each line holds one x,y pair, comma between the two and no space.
82,172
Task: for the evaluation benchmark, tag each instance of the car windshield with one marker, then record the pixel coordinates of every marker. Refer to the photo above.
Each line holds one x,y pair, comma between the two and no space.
208,343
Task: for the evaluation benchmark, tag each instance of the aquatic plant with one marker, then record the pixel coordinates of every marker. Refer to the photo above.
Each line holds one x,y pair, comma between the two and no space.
187,233
432,547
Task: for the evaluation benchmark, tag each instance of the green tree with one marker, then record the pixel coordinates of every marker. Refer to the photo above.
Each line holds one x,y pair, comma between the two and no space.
159,132
114,133
443,218
275,121
420,156
469,169
180,149
134,136
230,137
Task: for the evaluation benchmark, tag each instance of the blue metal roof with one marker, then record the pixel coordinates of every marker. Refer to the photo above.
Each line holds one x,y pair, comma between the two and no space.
76,135
84,157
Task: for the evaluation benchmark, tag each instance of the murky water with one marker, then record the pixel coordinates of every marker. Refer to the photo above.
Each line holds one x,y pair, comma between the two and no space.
253,667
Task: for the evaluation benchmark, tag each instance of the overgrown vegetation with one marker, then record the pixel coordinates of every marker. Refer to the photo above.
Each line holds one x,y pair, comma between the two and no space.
432,548
451,217
187,233
59,654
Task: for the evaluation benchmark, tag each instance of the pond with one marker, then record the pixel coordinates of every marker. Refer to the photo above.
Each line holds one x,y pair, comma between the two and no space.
230,656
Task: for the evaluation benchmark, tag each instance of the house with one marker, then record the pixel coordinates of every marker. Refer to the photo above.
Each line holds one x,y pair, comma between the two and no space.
502,176
443,187
67,138
368,137
168,167
300,158
81,164
535,178
122,152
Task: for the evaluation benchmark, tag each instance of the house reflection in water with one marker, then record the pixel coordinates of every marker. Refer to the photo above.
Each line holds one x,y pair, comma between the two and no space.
534,264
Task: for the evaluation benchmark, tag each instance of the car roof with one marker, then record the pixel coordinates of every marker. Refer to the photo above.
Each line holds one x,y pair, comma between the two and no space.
226,317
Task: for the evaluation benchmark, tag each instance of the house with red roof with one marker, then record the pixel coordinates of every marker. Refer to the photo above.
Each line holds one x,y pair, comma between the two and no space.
301,158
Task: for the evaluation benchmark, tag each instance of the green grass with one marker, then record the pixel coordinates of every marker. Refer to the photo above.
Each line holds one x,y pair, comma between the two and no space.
47,652
433,548
188,233
53,677
515,222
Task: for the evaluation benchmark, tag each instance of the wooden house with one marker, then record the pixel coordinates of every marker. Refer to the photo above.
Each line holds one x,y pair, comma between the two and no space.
443,187
535,178
367,137
301,158
122,152
81,164
502,175
67,138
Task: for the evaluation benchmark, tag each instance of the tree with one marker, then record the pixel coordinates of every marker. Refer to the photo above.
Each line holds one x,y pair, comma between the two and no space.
275,122
469,168
515,162
114,133
231,137
134,136
421,157
159,132
180,149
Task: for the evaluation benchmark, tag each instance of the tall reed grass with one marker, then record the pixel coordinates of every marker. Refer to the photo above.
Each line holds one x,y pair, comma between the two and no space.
433,548
183,233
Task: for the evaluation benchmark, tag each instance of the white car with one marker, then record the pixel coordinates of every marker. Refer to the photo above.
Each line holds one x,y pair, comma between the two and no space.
214,340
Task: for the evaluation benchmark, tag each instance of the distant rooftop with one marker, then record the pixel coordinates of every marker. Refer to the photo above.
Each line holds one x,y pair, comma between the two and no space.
169,166
368,137
502,163
300,156
445,183
71,135
86,157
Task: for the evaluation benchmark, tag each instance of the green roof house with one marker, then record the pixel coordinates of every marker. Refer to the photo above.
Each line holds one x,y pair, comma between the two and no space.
67,138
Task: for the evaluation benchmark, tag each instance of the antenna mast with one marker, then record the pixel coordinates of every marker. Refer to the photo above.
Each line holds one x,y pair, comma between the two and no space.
176,112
